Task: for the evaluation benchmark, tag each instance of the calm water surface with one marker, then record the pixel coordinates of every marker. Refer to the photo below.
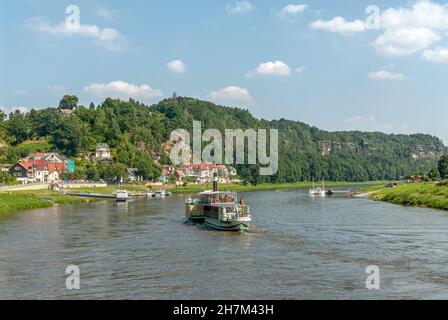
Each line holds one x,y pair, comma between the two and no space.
299,248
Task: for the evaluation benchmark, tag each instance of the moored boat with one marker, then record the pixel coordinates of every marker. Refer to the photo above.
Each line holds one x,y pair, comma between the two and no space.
320,191
159,194
122,196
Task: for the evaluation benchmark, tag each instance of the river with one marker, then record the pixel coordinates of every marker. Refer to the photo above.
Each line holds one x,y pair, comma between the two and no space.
299,248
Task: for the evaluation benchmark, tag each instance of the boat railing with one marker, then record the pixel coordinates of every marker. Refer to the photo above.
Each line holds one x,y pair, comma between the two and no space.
243,211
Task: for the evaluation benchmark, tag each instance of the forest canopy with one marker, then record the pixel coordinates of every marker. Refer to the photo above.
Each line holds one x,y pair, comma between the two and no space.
137,133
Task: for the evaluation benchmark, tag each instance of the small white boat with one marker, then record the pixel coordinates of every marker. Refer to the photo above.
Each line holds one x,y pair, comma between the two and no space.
159,194
122,196
318,191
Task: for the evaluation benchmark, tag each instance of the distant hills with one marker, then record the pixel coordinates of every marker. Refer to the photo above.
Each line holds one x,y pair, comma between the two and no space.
133,129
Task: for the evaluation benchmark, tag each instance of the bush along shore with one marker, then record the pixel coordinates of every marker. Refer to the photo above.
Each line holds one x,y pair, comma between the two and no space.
429,194
13,201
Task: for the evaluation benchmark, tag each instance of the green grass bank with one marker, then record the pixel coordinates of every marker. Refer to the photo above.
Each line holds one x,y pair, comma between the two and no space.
13,201
430,195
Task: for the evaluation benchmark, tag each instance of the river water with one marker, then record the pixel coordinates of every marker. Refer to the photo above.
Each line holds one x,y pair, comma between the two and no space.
299,248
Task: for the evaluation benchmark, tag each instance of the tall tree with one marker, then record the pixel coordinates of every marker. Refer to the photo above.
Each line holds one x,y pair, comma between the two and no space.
2,117
2,123
434,173
17,127
443,167
68,102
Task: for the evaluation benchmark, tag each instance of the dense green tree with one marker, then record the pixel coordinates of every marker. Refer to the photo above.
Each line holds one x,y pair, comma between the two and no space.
6,178
66,138
18,127
434,174
2,117
146,167
68,102
113,172
443,166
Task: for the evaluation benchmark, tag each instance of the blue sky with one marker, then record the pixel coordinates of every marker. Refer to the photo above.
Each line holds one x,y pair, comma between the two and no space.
315,61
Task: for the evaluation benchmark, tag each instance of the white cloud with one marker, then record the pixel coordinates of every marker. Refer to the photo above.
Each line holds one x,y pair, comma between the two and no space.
271,68
405,30
20,92
176,66
438,55
123,90
422,13
21,109
230,95
239,7
409,30
107,37
339,25
300,70
386,75
403,42
293,9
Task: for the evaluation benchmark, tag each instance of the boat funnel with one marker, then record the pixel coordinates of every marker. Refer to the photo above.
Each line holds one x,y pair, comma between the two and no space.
215,181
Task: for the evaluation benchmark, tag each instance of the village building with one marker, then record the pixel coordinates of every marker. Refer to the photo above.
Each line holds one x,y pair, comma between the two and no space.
133,175
20,173
180,175
66,112
40,168
200,173
102,152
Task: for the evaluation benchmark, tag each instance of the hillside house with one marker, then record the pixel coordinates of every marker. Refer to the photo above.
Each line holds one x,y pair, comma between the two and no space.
133,175
102,152
19,172
202,173
41,167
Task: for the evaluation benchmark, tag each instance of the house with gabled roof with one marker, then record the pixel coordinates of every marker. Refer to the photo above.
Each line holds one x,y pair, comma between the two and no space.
20,172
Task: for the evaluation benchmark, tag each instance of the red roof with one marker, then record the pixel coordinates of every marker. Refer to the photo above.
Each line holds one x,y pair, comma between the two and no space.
26,163
56,166
40,165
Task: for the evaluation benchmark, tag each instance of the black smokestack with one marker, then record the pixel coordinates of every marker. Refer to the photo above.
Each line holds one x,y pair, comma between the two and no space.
215,181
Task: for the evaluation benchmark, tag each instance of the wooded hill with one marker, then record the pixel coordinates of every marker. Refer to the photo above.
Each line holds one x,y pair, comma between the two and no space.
137,133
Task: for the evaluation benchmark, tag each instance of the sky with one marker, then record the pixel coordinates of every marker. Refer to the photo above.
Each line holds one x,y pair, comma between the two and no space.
338,65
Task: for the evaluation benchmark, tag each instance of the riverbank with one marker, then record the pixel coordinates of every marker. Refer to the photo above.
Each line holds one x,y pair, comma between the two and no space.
430,195
13,201
269,186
